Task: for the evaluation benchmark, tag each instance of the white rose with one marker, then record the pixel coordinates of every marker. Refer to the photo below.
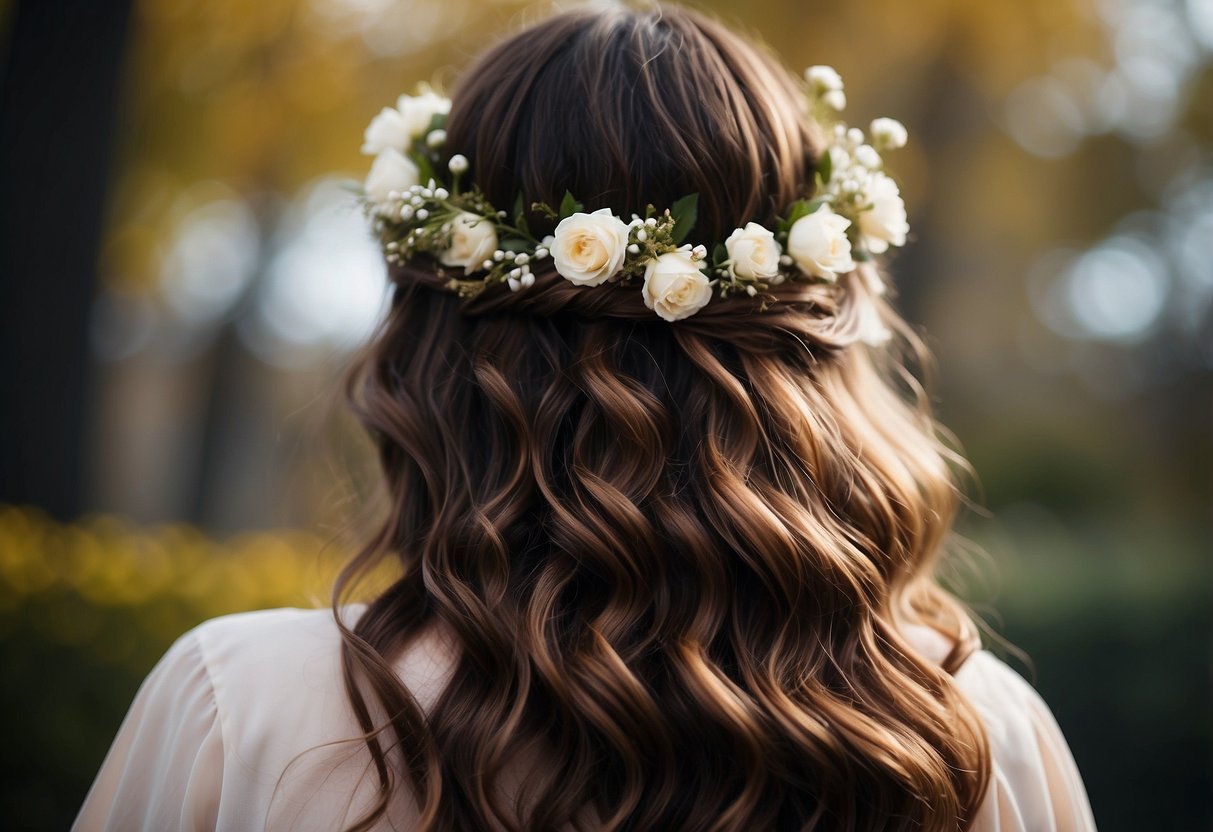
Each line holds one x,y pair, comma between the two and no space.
883,224
387,131
417,111
753,252
675,285
391,171
588,249
473,240
818,244
889,133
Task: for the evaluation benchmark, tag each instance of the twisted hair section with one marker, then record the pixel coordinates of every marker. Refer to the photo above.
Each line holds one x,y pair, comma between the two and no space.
674,560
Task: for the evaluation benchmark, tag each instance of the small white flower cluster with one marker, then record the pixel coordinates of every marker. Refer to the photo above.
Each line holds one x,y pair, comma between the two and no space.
826,84
391,138
461,231
857,212
852,180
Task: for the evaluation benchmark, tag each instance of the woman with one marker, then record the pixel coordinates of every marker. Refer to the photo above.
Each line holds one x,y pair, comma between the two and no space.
664,496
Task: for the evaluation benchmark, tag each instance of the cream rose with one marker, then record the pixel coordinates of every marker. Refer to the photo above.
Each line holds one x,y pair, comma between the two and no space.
818,243
387,131
391,171
417,111
753,252
675,286
588,249
473,240
883,224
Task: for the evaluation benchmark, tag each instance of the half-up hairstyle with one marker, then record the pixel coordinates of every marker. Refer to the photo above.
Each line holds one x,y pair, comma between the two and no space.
676,561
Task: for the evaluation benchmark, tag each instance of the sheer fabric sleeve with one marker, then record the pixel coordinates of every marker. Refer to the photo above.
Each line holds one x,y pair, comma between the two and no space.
1035,785
164,768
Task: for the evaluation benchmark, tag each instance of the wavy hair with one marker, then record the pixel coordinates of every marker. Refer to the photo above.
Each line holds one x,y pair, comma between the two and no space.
675,559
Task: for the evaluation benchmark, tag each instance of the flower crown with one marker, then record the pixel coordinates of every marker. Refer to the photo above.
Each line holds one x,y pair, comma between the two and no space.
857,212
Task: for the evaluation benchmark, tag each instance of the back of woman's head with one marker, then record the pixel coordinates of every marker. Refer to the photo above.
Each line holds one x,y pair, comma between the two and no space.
675,557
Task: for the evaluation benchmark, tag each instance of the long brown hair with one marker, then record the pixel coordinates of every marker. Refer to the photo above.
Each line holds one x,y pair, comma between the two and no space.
675,559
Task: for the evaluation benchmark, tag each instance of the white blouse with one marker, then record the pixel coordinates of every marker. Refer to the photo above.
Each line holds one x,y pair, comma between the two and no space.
210,738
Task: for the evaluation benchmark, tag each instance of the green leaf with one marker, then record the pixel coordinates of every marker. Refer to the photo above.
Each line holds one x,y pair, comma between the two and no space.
720,253
545,209
426,172
520,215
569,206
437,122
514,244
825,167
800,208
684,211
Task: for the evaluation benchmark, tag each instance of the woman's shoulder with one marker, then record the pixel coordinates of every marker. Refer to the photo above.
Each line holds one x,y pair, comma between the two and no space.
275,675
292,744
1035,783
271,641
259,662
290,658
245,717
223,712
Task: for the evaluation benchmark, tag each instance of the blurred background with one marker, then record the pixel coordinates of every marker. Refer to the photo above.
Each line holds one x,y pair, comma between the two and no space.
182,276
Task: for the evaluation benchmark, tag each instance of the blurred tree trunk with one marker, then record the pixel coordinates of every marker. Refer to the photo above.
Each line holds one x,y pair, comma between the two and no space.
59,93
